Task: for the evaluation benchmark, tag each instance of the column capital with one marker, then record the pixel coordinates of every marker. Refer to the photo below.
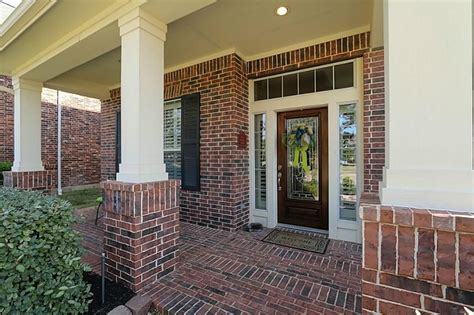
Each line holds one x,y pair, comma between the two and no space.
21,83
140,19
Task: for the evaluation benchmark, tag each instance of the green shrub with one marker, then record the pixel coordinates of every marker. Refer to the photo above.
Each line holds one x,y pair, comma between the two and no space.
4,166
40,267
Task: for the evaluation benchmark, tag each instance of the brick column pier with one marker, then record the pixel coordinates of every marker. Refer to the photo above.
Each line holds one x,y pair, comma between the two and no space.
35,180
416,259
141,230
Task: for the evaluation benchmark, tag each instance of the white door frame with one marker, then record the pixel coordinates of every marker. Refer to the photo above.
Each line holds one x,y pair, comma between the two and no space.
338,229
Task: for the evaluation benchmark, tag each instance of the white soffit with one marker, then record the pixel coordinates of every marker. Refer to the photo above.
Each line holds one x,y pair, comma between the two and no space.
249,27
253,28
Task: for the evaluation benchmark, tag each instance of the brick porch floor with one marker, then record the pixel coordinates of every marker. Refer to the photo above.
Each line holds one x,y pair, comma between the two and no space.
235,272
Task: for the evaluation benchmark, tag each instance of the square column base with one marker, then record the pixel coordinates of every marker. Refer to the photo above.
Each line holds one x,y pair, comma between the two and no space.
30,180
141,230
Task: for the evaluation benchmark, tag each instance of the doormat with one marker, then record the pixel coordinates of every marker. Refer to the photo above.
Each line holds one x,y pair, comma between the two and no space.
312,243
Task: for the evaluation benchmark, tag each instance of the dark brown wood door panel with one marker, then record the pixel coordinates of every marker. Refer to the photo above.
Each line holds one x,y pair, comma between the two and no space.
304,200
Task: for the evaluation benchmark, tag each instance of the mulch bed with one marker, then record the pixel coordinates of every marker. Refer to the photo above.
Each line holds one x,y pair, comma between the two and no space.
115,294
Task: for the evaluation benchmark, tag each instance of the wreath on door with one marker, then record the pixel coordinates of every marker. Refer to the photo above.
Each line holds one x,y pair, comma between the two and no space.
300,139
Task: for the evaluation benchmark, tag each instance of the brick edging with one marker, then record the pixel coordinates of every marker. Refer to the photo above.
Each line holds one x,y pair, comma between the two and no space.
44,181
444,220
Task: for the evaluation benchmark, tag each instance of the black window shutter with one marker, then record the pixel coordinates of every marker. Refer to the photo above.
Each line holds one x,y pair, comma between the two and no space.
118,141
190,136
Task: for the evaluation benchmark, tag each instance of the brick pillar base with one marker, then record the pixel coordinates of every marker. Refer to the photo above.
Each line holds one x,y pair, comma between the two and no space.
416,259
38,180
141,230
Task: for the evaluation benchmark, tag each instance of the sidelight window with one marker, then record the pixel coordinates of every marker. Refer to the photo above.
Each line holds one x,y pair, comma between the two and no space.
260,162
347,162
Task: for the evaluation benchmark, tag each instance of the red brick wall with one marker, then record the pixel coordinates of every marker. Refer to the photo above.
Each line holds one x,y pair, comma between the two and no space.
223,201
43,181
6,120
80,139
80,144
416,259
109,109
374,119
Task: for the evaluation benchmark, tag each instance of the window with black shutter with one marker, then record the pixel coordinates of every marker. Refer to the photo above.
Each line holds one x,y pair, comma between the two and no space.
118,141
174,148
190,135
172,138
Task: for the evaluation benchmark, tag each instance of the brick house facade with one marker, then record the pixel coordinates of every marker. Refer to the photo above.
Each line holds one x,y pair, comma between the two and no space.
223,201
380,134
80,136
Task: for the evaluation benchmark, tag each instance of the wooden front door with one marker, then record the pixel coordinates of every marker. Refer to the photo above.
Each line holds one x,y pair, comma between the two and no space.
303,168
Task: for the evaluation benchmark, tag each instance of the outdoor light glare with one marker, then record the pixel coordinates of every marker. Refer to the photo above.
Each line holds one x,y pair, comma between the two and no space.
282,11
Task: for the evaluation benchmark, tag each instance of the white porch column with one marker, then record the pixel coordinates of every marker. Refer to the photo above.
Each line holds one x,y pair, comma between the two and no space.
428,62
27,125
143,39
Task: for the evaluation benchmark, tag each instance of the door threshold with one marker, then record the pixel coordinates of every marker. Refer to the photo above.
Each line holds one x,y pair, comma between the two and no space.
302,228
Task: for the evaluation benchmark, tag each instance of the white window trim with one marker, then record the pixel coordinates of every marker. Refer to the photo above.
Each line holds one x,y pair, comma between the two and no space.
332,99
172,104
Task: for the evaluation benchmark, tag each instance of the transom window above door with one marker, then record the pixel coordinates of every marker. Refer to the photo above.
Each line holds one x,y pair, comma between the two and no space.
319,79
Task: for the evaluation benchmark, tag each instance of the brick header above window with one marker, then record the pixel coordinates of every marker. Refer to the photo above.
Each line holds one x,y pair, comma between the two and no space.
199,69
336,50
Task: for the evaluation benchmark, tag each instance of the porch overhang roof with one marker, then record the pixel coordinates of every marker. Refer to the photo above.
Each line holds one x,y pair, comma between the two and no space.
77,49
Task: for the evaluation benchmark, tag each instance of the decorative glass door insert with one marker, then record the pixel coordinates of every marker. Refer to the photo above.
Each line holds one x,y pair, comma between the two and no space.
302,158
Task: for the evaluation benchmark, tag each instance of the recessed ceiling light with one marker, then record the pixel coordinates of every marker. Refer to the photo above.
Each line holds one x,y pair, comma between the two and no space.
282,11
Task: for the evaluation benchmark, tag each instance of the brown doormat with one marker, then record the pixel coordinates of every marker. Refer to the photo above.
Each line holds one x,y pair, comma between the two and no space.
312,243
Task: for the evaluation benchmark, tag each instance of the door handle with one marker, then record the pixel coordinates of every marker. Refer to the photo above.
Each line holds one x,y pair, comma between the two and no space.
279,175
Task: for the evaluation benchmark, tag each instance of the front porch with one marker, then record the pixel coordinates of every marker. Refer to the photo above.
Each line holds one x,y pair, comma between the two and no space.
235,272
199,104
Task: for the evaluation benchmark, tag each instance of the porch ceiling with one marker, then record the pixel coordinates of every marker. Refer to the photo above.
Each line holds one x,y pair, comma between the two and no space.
249,27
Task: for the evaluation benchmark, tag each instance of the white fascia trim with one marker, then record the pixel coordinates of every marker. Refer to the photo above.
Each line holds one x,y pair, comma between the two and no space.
20,83
99,91
109,15
17,17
